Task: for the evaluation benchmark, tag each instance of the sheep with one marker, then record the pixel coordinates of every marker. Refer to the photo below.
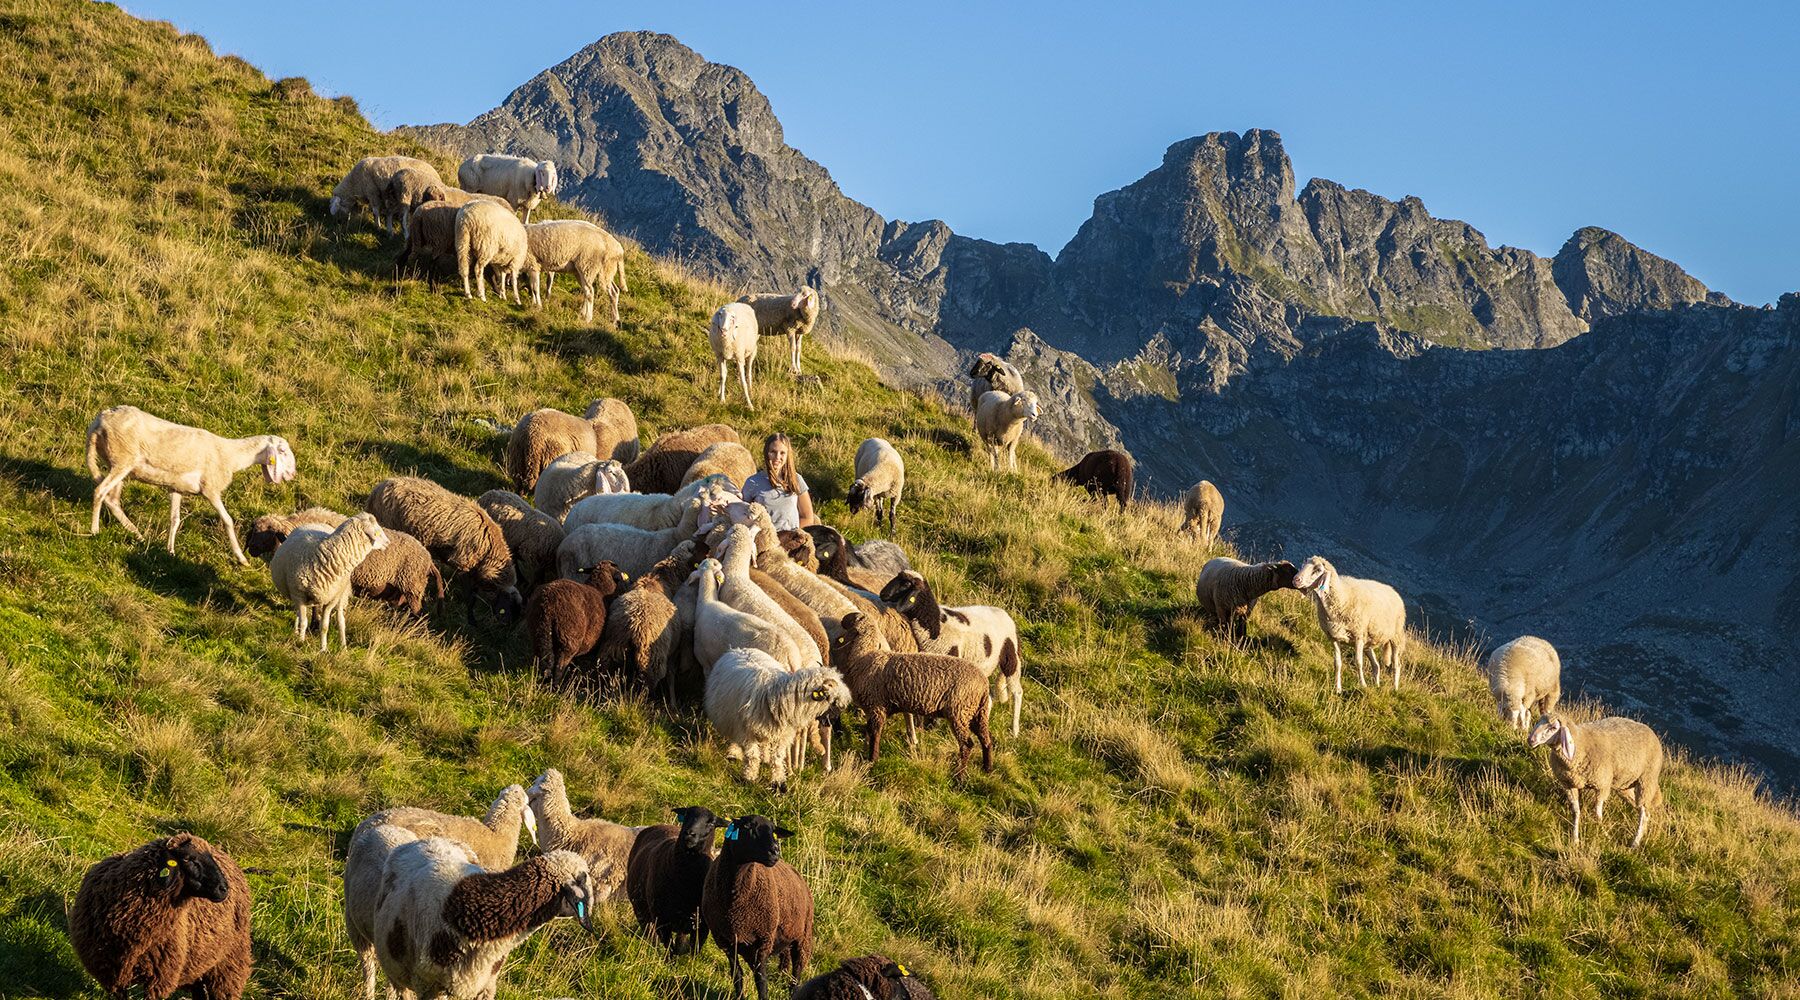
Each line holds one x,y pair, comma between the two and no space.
665,875
633,549
1605,754
1366,613
572,478
642,626
762,709
768,546
313,570
366,183
364,865
787,566
1227,590
605,845
985,636
542,436
1102,473
926,685
782,314
444,926
867,977
719,628
868,566
565,619
523,183
660,469
740,591
576,247
186,461
1202,508
990,374
405,189
402,574
880,478
532,536
1525,676
430,240
733,336
490,236
723,458
454,197
171,914
1000,421
452,528
648,511
492,839
757,905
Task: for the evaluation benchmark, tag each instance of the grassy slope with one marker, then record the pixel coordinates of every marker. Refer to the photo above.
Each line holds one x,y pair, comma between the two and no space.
1178,813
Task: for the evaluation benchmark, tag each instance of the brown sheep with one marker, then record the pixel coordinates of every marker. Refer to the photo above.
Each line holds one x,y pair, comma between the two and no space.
925,685
725,458
1202,508
666,874
1228,590
401,575
1103,474
641,626
452,528
565,619
430,241
867,977
868,566
756,905
609,430
531,535
661,468
603,844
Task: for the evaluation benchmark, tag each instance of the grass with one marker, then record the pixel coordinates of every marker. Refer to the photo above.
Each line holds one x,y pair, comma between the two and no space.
1179,816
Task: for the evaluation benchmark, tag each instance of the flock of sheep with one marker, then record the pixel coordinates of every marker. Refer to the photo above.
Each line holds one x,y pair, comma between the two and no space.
646,568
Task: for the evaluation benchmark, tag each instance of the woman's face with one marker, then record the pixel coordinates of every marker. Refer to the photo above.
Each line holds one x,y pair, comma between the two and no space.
776,457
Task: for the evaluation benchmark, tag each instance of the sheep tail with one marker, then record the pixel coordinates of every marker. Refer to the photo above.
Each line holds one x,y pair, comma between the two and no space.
437,581
623,287
93,451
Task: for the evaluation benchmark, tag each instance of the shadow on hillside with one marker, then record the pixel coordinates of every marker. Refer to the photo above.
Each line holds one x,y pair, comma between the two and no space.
567,336
30,966
173,576
405,460
42,477
949,440
1398,758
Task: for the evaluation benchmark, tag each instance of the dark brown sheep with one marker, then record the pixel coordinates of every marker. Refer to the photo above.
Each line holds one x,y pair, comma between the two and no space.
642,627
868,977
1228,590
565,619
666,874
925,685
1102,474
868,566
173,913
756,905
660,470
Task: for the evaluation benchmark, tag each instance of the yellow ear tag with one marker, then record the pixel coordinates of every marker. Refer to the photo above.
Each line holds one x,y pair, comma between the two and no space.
902,969
910,599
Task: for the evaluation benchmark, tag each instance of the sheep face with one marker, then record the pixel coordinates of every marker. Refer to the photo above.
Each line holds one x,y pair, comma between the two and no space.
858,498
544,178
1551,728
1317,574
262,542
799,547
754,840
697,826
339,207
1282,575
831,692
909,594
190,872
371,529
577,900
277,459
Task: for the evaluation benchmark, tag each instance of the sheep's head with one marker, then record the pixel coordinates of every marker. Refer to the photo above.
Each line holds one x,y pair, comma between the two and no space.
266,535
799,546
432,192
1025,404
828,547
371,529
1282,574
754,840
829,692
543,179
856,629
550,782
1316,574
710,572
339,207
697,827
806,300
1549,728
187,869
858,497
608,578
909,594
277,459
575,887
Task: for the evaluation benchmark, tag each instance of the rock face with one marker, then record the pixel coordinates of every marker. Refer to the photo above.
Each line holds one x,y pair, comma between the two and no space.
1605,275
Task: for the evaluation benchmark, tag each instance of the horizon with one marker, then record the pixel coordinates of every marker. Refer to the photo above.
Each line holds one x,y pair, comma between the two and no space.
1523,173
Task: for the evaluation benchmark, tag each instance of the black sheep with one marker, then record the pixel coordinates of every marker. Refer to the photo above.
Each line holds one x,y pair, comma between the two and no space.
665,875
1102,473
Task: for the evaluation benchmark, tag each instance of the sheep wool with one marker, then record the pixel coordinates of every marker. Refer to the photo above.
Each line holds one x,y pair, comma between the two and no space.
1105,473
926,685
729,459
756,905
1227,590
666,874
633,550
565,619
366,183
661,468
568,480
493,839
1000,422
430,240
488,235
405,189
641,626
531,535
786,314
868,977
452,528
1202,508
990,374
1525,676
580,248
1606,754
733,336
1365,613
880,480
760,707
402,574
313,570
604,845
521,182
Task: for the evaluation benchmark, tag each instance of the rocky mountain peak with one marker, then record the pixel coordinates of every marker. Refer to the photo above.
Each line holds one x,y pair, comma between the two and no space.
1603,274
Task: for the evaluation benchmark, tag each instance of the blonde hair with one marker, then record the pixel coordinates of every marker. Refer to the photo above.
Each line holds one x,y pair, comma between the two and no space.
788,478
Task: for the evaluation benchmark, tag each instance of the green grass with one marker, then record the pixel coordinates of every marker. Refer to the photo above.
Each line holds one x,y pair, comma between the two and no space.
1179,817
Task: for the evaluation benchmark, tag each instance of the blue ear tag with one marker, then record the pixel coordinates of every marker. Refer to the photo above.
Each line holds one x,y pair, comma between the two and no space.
581,910
731,832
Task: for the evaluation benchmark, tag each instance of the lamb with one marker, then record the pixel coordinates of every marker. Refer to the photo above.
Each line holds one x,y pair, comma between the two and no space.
1605,754
661,468
454,529
1367,613
642,626
756,905
868,566
542,436
405,189
444,926
1102,473
313,570
401,574
633,549
523,183
1525,676
926,685
720,628
990,374
1000,421
532,536
740,591
783,314
565,619
572,478
493,840
186,461
868,977
1227,590
171,914
724,458
606,846
577,247
880,478
366,184
665,875
430,240
733,337
648,511
762,709
1202,508
490,236
985,636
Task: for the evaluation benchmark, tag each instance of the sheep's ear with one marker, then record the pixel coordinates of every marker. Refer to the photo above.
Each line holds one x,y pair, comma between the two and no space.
1565,742
782,831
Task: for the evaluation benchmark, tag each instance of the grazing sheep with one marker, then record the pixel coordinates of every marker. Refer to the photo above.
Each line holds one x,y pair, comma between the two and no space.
1000,421
605,845
1525,676
401,574
454,197
649,511
633,549
740,590
430,241
985,636
1202,508
171,914
868,977
444,926
1366,613
642,626
573,478
666,874
313,570
565,619
925,685
492,839
452,528
1603,755
490,236
186,461
405,189
577,247
531,535
661,468
757,905
782,314
868,566
733,335
523,183
720,628
725,458
543,436
1103,474
1227,590
880,478
366,184
990,374
762,709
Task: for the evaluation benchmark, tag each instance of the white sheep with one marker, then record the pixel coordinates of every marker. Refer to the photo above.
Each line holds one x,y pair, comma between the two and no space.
880,479
733,335
580,248
760,706
366,183
522,182
784,314
633,550
649,511
1202,508
1000,420
720,628
1366,613
1605,754
487,235
741,592
186,461
312,568
572,478
1525,676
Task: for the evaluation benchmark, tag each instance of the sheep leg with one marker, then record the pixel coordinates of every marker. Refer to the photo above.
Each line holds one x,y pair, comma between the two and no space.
369,965
1575,807
230,527
912,733
1362,679
723,369
744,380
737,972
1394,662
828,731
109,492
325,631
1601,794
965,745
1018,699
303,620
1641,801
587,300
1337,655
760,974
537,301
752,761
343,640
877,719
174,519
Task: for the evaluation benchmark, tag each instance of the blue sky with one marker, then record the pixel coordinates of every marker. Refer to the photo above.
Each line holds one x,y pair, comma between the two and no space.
1675,126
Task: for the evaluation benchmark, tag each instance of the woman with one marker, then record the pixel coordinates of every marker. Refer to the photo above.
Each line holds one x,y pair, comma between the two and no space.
780,488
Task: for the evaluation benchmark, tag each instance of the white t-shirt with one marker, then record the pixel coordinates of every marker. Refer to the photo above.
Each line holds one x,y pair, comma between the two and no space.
784,507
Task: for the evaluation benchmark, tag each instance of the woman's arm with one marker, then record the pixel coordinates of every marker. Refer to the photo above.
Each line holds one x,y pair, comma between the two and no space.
803,504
